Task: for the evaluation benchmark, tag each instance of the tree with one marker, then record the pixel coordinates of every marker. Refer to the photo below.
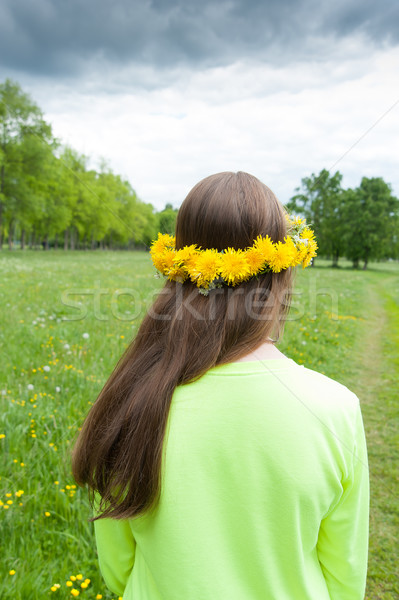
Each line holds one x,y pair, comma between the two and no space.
371,218
167,219
320,201
24,141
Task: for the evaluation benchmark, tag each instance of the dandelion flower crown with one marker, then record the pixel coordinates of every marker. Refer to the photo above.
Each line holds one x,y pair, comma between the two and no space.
208,268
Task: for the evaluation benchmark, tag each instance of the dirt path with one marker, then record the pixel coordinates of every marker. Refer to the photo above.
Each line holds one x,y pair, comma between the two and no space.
378,397
369,353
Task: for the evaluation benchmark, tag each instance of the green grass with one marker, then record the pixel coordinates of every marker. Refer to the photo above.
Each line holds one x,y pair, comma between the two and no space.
343,323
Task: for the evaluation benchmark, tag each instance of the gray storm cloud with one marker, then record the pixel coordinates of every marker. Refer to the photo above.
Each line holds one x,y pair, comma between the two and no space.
57,38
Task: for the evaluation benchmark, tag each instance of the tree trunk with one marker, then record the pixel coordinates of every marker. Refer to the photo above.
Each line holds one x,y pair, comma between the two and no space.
33,239
23,232
72,238
356,263
10,234
66,239
335,258
93,242
101,244
56,242
45,247
366,259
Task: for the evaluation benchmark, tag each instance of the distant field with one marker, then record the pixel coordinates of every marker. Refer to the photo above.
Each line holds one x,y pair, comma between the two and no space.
66,318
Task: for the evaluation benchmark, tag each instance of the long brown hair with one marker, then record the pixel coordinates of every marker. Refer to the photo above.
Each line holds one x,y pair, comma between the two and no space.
118,452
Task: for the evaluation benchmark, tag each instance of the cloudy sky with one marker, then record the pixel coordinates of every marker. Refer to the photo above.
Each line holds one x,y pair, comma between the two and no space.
170,92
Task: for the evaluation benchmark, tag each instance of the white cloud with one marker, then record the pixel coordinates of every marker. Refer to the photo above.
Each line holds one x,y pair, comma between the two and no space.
280,124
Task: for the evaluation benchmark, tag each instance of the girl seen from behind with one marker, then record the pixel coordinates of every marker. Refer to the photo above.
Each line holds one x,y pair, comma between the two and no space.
218,467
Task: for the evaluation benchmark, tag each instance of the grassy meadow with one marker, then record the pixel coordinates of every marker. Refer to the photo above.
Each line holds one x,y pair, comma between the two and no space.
65,319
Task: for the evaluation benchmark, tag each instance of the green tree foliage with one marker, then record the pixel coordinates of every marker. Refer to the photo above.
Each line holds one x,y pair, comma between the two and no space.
167,219
24,141
47,192
371,220
319,200
361,223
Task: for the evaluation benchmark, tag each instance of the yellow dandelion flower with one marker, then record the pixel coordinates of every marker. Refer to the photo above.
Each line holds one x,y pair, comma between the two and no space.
176,273
158,260
75,592
298,221
265,246
307,234
80,576
168,266
256,260
234,266
296,255
302,251
282,257
12,572
163,242
2,436
164,261
47,514
99,596
185,255
204,267
69,584
310,253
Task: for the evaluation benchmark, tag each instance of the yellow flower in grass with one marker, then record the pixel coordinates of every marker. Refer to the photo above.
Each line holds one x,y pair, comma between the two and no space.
265,246
204,267
234,266
256,259
282,258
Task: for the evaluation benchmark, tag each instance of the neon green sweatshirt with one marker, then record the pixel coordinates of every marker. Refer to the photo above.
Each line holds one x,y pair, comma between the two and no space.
265,494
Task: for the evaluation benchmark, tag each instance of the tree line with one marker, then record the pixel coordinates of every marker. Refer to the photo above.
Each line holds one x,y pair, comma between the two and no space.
361,224
50,198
